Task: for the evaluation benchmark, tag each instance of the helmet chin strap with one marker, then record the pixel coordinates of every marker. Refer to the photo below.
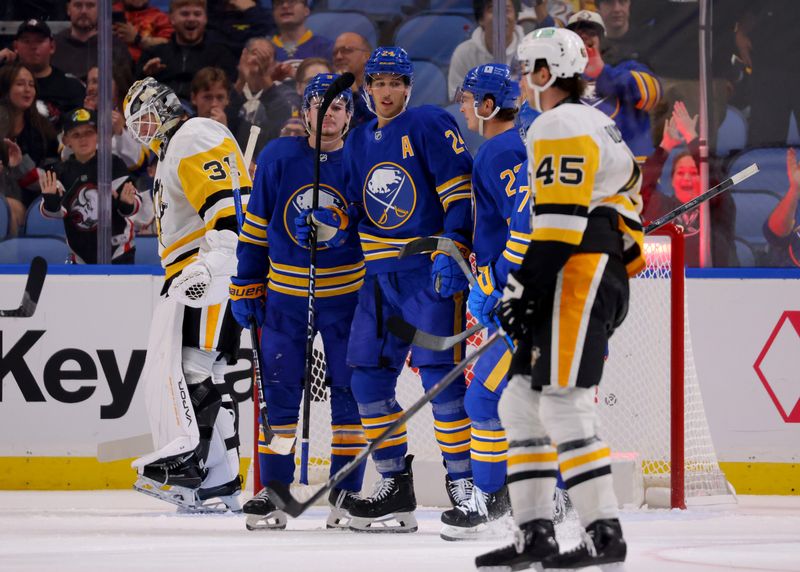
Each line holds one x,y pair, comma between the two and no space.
538,89
482,118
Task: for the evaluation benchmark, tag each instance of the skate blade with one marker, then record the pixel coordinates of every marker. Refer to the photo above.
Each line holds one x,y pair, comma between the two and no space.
396,522
458,533
275,520
181,497
338,519
603,566
215,505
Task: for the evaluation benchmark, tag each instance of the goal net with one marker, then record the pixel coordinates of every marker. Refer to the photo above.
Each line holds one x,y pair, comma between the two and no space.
650,406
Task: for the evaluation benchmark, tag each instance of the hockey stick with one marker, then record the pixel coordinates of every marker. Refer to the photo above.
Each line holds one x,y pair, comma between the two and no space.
334,90
33,288
742,175
279,493
408,333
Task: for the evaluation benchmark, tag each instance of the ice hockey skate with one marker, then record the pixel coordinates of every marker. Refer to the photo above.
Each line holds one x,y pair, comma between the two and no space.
602,544
222,498
262,514
340,501
534,542
174,480
470,520
391,506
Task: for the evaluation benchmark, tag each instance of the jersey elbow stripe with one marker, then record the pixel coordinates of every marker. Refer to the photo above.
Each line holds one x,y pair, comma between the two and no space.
218,218
256,220
223,196
243,237
457,181
254,231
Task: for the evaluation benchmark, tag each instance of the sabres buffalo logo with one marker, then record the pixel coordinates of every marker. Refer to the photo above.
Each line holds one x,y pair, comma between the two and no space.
389,195
82,206
303,198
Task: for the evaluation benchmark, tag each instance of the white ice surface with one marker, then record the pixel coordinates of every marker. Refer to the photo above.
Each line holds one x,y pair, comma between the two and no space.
118,531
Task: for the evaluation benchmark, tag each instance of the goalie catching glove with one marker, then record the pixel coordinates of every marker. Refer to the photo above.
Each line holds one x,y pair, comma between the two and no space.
515,310
331,224
248,300
483,298
205,281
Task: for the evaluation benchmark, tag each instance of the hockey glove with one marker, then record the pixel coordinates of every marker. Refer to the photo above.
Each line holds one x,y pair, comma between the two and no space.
515,310
483,297
205,281
446,275
247,300
331,224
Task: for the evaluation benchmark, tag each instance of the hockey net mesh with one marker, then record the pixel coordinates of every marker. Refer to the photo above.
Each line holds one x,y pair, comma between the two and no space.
633,399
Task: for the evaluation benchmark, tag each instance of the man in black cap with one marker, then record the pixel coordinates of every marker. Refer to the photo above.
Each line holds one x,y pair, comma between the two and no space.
34,46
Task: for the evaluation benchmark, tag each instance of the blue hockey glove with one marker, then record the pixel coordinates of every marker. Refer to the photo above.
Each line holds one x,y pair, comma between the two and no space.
247,300
331,224
483,297
515,310
446,275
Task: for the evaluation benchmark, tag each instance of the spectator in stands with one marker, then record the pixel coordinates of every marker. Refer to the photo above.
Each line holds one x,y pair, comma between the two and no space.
350,54
617,17
70,193
76,47
210,95
478,49
34,47
626,92
257,99
686,184
307,69
29,131
767,40
123,144
781,229
236,21
140,26
543,13
176,62
294,42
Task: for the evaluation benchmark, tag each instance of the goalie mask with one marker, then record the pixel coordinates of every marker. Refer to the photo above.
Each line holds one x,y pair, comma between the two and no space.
151,111
392,61
562,50
489,81
313,95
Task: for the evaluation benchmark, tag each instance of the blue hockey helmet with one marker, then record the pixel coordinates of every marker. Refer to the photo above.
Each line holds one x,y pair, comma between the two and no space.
390,60
315,90
317,87
491,80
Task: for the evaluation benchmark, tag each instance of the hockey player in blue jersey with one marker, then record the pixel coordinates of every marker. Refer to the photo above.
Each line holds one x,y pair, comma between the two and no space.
273,264
488,98
408,176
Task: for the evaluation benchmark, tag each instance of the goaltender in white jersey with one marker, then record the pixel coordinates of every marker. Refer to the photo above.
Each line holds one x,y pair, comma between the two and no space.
193,334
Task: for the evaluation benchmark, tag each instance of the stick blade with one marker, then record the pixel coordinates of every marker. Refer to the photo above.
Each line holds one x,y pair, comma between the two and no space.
280,494
420,246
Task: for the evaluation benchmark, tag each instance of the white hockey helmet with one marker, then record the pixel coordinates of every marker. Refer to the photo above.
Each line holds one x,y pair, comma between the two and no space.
151,110
562,49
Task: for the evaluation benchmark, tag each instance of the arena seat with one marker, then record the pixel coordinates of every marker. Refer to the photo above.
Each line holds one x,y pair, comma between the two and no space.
430,85
37,224
452,6
771,163
745,253
381,8
23,249
433,37
331,24
5,217
472,139
752,210
147,250
732,133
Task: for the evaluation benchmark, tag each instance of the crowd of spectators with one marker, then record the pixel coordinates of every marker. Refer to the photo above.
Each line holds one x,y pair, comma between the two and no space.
246,62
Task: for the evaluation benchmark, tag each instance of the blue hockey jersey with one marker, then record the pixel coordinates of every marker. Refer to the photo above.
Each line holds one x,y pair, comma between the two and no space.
410,178
494,184
283,187
519,230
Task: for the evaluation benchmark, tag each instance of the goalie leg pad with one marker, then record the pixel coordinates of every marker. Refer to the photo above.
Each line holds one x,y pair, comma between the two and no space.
532,459
585,460
450,422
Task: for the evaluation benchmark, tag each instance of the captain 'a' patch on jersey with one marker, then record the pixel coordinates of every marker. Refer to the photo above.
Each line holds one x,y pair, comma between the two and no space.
303,199
390,195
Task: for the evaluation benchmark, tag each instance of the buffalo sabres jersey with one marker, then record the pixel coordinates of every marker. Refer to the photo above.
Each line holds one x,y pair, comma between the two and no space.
578,163
283,187
412,178
193,191
494,184
519,229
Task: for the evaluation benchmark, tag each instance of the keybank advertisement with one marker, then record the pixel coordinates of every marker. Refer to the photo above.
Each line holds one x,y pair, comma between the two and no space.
70,376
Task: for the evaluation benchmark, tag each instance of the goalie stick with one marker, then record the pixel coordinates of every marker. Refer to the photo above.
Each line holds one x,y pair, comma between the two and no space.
33,288
282,496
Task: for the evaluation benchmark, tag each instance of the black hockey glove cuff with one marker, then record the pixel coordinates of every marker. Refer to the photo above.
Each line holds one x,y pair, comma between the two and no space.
515,310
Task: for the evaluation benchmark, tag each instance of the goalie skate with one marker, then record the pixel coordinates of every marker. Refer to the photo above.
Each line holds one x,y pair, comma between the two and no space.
174,480
262,514
219,499
391,506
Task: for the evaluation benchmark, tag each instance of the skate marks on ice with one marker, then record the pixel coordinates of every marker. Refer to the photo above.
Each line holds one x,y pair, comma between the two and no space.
91,531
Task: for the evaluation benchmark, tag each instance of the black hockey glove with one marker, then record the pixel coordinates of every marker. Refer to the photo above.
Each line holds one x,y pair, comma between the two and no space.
515,310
